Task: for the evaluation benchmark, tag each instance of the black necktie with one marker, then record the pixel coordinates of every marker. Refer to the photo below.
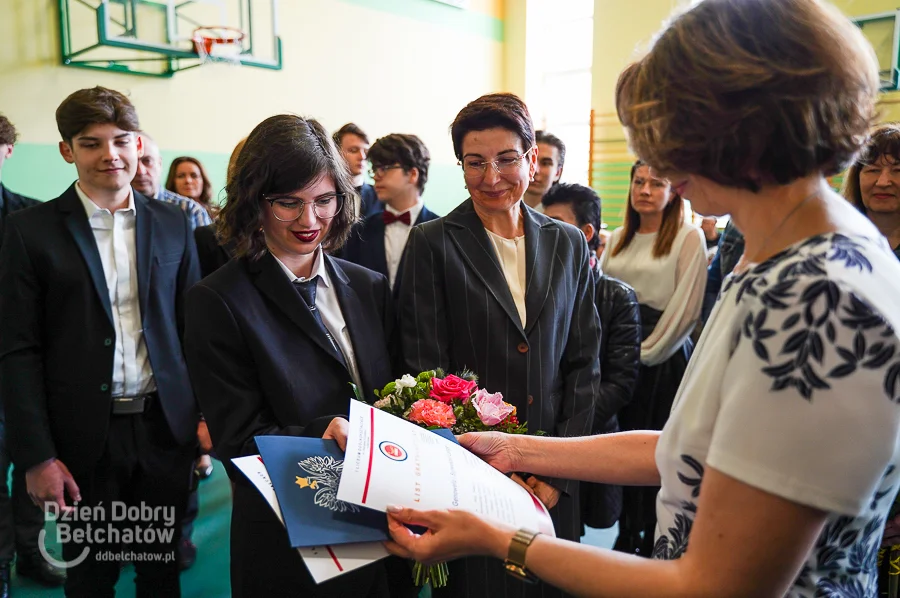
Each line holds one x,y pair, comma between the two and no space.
307,290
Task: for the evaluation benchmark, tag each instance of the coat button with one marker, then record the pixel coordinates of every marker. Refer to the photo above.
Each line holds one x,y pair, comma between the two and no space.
104,387
530,399
522,347
107,342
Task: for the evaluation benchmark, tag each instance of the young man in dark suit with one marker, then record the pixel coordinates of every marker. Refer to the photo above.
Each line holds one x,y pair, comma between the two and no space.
98,402
400,170
20,520
354,146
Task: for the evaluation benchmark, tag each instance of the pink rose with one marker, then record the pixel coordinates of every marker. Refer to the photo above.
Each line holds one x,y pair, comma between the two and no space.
452,387
491,408
432,413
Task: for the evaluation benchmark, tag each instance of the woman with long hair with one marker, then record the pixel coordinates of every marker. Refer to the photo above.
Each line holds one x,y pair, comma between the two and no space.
663,258
188,177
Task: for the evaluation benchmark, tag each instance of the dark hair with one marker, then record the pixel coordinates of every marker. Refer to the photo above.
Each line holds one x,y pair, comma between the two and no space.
884,141
495,110
551,139
406,150
585,204
8,133
283,154
205,193
348,129
774,90
672,219
95,106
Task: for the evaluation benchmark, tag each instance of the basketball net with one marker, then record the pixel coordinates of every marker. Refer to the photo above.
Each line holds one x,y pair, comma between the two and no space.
219,44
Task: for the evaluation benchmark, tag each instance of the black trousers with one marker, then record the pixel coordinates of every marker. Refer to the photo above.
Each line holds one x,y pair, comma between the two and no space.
21,521
648,410
138,487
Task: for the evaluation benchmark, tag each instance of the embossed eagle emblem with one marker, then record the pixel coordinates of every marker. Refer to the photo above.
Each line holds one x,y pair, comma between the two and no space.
324,476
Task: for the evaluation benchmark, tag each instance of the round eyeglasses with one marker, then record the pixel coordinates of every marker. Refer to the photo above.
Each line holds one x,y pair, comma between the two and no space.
288,209
379,171
474,167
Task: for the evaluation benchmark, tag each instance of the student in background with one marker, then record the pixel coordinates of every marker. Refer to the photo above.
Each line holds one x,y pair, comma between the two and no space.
663,259
620,342
551,156
354,146
400,171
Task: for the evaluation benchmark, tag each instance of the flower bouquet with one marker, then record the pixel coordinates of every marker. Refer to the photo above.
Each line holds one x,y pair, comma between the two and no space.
434,400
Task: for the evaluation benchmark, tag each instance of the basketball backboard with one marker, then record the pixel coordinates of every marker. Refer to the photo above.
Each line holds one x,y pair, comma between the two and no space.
156,37
883,32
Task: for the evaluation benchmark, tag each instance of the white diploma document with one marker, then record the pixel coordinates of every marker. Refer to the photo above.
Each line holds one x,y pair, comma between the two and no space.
323,562
390,461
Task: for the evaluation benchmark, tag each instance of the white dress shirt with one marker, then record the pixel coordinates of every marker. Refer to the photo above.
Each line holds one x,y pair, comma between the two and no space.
511,253
396,234
115,236
330,309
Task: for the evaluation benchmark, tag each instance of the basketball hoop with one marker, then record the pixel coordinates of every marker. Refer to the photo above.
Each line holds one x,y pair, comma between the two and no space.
219,44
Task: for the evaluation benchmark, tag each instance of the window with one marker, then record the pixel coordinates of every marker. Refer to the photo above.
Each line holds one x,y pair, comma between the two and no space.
559,41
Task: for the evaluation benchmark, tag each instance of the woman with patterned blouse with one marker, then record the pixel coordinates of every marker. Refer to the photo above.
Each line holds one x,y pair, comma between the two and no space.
778,464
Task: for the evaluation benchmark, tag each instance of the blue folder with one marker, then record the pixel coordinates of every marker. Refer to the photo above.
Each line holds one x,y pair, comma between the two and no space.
305,473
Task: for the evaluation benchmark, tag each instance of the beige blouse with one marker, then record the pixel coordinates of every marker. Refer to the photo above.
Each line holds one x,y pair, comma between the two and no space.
511,253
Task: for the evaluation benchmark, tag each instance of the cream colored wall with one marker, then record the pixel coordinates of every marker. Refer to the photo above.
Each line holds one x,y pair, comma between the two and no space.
406,67
622,32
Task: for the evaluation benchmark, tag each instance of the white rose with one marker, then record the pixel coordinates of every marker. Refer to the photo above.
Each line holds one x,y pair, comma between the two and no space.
406,381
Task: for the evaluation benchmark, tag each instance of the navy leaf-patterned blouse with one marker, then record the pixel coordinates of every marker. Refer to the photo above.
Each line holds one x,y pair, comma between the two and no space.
794,389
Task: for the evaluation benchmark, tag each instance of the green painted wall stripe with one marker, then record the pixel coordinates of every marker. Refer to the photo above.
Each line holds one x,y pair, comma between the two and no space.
37,170
444,15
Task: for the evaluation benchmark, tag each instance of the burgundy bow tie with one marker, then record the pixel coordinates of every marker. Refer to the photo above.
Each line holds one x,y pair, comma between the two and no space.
390,218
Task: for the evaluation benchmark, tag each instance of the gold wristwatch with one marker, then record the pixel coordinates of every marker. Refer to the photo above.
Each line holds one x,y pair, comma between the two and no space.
515,558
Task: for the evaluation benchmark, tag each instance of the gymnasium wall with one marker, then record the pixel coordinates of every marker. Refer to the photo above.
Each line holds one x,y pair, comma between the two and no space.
388,65
622,32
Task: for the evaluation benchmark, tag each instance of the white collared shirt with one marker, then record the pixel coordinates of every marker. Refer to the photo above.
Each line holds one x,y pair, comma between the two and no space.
396,235
330,309
116,242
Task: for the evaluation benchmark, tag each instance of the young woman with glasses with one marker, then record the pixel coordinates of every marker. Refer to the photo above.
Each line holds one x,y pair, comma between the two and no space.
275,338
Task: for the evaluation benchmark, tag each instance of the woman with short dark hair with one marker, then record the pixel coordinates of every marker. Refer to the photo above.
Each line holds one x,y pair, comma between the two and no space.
506,292
275,337
779,462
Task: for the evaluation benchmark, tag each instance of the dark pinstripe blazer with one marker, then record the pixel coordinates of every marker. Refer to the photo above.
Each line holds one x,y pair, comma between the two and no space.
456,311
